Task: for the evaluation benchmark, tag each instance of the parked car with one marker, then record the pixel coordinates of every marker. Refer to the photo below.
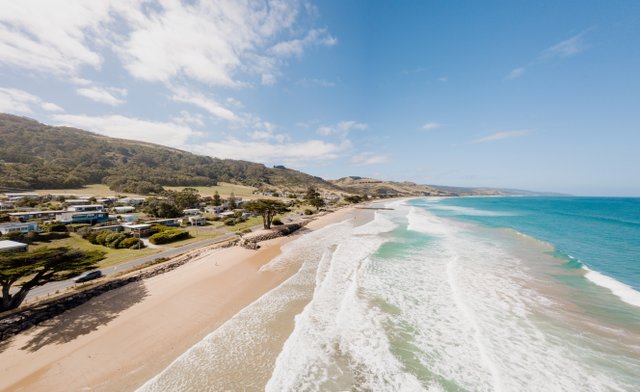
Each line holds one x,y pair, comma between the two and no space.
87,276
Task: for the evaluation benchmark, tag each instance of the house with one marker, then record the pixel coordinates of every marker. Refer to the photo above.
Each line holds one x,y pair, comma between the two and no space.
128,218
171,222
22,228
131,201
90,217
22,195
116,228
214,209
227,214
86,208
5,205
191,211
124,209
12,246
139,230
31,215
197,220
77,202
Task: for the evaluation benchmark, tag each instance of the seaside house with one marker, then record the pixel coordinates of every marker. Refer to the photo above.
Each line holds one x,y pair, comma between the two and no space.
214,209
77,202
12,246
21,227
131,201
86,208
124,209
191,211
22,195
139,230
170,222
115,228
90,217
197,220
24,216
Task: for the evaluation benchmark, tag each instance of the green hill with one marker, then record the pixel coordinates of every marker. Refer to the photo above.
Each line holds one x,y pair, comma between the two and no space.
38,156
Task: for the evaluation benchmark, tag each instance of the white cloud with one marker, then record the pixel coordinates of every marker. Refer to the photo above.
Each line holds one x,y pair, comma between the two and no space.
167,133
502,135
19,101
109,96
187,118
431,125
262,151
515,73
215,42
342,128
296,47
566,48
51,107
369,158
200,100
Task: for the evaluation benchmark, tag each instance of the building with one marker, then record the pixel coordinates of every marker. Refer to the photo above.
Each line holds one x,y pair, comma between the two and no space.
90,217
191,211
214,209
86,208
197,220
116,228
124,209
31,215
77,202
22,228
22,195
131,201
12,246
139,230
171,222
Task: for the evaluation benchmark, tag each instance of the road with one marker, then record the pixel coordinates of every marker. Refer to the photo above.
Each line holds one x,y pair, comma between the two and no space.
53,287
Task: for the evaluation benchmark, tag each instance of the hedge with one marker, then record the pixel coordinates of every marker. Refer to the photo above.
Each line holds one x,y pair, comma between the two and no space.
168,236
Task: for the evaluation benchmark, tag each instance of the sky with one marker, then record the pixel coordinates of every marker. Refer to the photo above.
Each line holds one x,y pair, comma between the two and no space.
538,95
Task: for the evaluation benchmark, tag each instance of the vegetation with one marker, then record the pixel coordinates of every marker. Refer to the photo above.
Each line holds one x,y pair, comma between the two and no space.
112,239
35,268
313,198
37,156
268,209
168,236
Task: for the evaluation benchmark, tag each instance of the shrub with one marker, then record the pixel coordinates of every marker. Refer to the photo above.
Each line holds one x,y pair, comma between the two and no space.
277,222
57,228
308,212
246,231
169,236
131,243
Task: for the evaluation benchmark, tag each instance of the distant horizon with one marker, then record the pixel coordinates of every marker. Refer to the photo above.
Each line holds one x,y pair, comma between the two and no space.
529,96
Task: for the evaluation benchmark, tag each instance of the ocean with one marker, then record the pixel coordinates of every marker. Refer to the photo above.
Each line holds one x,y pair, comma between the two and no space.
447,294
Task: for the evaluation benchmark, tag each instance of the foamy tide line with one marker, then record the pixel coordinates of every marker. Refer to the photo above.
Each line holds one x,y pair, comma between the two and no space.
623,291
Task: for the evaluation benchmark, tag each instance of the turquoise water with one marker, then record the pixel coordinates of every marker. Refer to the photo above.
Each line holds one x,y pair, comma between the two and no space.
601,233
475,294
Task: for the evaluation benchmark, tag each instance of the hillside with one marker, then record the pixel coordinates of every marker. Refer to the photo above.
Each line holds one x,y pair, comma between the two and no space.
384,188
38,156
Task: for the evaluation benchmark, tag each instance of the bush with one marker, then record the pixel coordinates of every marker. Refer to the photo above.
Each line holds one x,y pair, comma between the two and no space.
246,231
131,243
168,236
308,212
57,228
277,222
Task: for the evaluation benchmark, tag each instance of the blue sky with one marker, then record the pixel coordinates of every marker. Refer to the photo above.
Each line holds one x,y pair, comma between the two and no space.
540,95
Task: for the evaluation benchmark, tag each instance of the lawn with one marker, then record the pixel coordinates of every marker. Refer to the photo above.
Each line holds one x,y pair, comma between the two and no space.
112,256
96,190
198,233
223,188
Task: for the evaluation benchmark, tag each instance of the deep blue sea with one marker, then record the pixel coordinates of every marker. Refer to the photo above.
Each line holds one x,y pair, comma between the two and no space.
601,233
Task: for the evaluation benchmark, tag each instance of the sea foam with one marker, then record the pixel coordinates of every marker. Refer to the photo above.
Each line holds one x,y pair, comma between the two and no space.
625,292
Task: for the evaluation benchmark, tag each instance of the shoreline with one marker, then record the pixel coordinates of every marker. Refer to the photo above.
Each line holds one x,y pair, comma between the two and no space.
123,338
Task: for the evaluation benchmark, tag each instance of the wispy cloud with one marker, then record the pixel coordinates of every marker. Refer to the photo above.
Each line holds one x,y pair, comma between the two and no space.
567,48
369,158
431,125
342,128
13,100
502,135
515,73
200,100
109,95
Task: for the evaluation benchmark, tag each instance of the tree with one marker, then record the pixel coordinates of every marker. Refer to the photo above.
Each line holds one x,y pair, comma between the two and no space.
161,208
268,209
232,201
216,199
186,198
32,269
313,198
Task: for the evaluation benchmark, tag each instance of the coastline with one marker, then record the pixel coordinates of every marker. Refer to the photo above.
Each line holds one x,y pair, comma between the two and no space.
122,338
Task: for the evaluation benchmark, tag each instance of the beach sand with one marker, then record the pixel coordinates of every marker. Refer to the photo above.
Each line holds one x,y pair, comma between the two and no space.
119,340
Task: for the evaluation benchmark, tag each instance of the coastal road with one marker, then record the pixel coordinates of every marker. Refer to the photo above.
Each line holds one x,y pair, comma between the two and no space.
53,287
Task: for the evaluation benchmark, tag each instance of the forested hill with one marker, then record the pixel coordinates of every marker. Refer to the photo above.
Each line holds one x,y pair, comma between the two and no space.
38,156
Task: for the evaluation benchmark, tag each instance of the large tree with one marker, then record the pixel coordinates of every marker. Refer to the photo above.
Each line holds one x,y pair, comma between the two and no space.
313,198
31,269
268,209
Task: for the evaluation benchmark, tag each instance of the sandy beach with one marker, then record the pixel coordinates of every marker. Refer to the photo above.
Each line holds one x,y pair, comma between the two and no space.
123,338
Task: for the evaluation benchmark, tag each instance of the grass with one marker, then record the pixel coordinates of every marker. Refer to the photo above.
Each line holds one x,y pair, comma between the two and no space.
198,233
96,190
112,256
223,188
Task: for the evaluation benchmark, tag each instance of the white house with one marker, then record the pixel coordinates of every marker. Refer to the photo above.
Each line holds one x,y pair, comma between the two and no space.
191,211
197,220
85,208
214,209
132,201
12,246
23,228
124,209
